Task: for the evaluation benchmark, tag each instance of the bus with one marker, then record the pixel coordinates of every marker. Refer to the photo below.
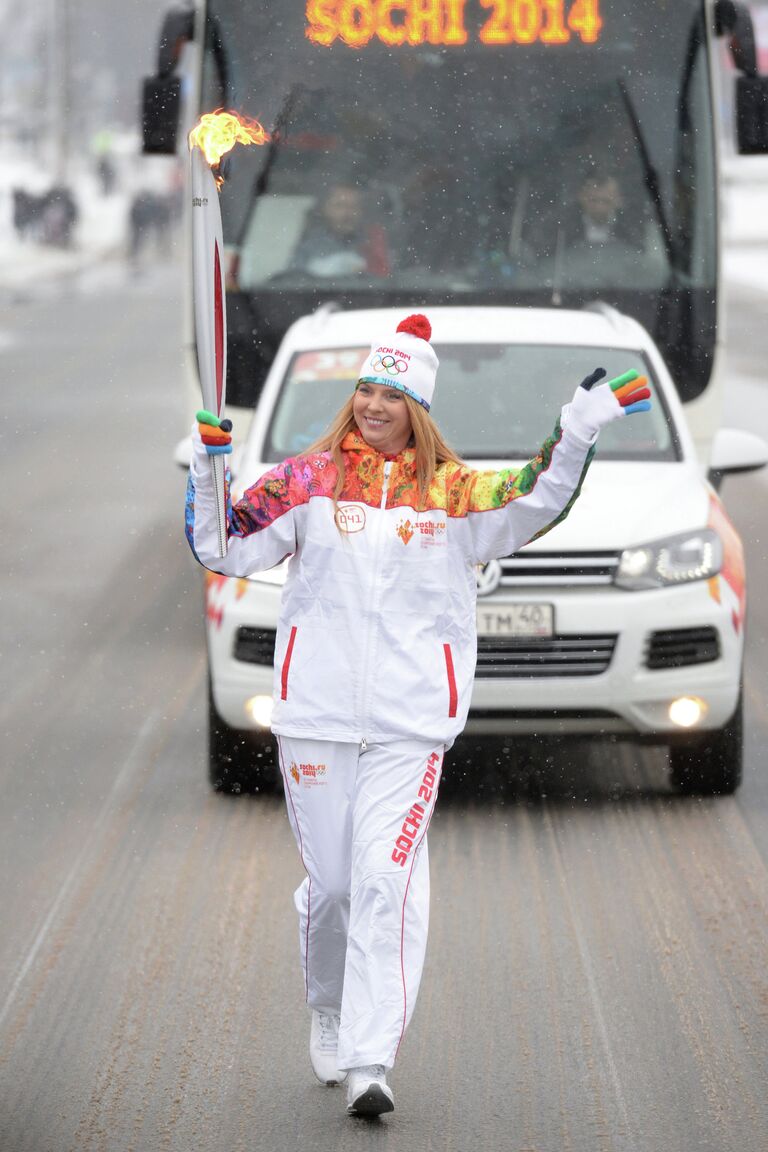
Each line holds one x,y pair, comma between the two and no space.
433,152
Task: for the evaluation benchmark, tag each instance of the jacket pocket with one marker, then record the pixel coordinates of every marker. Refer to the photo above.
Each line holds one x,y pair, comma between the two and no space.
453,699
287,664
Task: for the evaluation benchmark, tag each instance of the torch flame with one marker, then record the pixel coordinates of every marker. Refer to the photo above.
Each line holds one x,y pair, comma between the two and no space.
216,133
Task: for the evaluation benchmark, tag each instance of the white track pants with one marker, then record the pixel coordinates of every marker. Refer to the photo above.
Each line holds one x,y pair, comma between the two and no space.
360,820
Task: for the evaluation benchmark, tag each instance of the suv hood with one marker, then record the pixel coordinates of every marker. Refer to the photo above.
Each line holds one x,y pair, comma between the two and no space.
623,505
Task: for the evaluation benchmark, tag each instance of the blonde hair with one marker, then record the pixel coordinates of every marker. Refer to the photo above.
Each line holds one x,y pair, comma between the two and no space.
431,448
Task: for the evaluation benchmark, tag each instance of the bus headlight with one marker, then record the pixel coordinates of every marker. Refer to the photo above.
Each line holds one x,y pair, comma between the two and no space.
674,560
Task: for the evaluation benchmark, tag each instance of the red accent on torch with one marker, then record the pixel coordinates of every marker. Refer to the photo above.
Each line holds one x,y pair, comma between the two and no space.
218,308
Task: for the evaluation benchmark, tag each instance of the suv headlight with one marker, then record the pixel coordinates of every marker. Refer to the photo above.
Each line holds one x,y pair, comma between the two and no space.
675,560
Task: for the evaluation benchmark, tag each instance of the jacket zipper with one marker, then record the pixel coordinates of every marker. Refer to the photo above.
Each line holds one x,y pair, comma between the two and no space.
373,600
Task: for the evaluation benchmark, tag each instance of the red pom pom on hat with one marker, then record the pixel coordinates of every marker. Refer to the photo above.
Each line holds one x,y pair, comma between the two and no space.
416,325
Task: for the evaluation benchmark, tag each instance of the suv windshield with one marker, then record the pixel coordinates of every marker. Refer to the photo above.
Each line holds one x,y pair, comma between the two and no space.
493,401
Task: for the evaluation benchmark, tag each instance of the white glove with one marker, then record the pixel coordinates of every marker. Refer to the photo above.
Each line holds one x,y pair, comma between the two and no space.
589,410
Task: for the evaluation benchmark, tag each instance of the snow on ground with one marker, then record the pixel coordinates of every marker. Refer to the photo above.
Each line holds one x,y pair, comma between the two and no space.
101,231
747,268
745,221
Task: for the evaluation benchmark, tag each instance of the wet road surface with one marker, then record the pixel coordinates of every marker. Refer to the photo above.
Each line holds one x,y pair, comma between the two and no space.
596,976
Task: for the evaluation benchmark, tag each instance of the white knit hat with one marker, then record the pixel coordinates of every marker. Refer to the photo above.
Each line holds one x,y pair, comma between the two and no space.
405,360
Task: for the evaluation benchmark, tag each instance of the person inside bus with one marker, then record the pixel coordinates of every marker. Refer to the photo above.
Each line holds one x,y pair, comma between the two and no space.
589,237
375,661
598,216
339,240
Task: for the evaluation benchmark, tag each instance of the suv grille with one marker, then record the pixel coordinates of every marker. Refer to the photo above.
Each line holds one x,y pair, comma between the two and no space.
255,645
505,657
499,657
558,568
680,647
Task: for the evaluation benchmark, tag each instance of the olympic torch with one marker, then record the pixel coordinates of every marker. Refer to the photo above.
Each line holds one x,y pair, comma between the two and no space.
215,134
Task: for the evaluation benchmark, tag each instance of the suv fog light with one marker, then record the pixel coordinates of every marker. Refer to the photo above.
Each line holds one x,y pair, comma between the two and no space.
259,708
686,711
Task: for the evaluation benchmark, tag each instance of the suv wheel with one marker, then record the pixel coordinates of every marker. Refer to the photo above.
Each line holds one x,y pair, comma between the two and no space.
714,763
238,761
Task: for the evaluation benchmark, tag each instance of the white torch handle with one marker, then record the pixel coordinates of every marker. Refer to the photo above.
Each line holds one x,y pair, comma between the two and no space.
210,311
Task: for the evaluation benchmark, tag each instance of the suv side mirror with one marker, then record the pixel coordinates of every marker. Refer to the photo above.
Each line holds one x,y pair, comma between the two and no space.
735,451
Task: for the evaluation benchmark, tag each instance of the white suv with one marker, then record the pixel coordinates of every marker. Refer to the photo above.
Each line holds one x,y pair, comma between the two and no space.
626,619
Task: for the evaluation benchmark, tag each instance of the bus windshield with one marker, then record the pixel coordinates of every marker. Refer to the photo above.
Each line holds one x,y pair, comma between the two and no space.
464,151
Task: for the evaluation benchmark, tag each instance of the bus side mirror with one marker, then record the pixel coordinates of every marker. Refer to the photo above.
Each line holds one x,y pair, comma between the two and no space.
161,94
160,105
752,115
733,19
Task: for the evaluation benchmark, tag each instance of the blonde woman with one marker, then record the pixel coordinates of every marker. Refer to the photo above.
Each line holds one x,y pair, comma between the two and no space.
374,664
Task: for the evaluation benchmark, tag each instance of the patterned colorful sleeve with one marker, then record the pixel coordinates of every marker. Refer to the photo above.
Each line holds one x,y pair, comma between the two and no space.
513,506
263,527
276,492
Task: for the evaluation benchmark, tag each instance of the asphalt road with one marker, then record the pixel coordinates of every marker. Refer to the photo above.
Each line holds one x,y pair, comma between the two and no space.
596,977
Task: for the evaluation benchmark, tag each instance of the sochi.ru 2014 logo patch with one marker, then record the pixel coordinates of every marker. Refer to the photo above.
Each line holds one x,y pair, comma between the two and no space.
309,773
350,517
405,531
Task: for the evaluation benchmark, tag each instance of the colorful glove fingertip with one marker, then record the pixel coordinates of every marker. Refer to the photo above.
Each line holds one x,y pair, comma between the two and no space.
632,392
641,406
214,433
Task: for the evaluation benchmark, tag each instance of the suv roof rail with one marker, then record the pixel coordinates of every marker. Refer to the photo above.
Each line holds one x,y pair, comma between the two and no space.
322,312
612,315
327,307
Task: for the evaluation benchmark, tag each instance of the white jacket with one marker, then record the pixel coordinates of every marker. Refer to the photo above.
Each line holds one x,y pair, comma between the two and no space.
376,639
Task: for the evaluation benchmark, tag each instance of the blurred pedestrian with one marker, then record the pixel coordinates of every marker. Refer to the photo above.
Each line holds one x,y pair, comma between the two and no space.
149,224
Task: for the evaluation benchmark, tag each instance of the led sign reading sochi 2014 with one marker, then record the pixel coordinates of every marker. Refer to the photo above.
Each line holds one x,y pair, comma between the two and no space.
398,22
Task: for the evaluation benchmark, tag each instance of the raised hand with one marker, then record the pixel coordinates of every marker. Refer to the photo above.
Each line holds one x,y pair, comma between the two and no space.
214,433
589,411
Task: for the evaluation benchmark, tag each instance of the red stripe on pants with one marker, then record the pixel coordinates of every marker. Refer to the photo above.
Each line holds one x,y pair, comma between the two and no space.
453,699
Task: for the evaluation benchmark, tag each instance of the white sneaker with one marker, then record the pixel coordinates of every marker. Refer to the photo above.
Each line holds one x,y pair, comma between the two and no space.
323,1043
368,1093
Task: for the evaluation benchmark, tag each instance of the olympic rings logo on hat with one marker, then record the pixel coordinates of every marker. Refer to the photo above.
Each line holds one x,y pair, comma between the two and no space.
389,364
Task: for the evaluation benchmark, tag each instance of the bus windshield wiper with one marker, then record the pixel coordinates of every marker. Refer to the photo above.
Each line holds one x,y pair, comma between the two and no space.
261,183
651,180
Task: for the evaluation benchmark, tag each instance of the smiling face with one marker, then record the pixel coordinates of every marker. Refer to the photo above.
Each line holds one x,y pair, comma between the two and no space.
382,416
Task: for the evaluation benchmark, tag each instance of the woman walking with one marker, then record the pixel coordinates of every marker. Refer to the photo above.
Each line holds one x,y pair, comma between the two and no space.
374,663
